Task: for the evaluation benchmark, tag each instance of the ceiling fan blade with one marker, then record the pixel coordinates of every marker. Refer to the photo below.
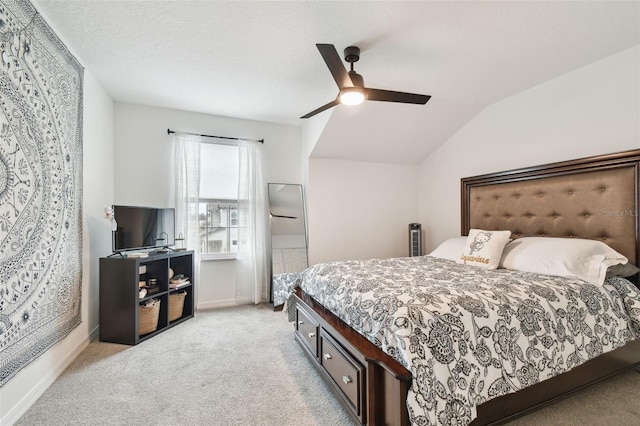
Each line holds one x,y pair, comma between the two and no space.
391,96
322,108
334,63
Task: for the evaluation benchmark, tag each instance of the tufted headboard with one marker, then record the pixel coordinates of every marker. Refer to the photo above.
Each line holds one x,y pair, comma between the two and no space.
594,198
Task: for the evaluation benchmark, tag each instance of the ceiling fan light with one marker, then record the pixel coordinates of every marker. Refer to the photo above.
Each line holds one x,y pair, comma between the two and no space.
351,96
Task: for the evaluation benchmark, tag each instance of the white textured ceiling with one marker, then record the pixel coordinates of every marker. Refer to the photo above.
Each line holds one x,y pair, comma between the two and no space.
258,60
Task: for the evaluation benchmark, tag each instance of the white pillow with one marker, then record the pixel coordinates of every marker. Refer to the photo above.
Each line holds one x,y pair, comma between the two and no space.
450,249
484,248
564,257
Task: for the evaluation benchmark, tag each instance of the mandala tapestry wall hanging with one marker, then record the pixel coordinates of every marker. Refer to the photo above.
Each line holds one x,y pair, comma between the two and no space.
40,187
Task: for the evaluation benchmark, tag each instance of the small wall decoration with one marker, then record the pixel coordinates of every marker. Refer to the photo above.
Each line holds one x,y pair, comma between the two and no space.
40,187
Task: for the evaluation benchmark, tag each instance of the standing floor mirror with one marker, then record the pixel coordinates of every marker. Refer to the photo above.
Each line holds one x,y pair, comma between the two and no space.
288,230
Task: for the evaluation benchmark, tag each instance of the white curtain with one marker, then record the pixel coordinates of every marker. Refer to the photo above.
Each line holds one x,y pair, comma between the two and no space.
186,182
252,216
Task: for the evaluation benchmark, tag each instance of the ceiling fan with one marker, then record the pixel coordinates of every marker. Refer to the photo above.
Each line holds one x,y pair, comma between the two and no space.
351,84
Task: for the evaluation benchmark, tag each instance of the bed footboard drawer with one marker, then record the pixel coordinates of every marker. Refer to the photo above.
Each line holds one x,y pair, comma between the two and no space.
346,372
307,331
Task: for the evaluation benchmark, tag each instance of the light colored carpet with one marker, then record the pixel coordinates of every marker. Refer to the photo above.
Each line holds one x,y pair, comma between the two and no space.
241,366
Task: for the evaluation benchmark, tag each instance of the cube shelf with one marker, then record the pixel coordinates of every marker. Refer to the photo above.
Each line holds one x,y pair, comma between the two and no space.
120,280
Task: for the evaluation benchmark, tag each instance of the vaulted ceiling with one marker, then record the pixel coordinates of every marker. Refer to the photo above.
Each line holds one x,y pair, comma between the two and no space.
258,60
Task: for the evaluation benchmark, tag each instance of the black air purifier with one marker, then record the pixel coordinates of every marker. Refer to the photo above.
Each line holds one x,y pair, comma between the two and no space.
415,239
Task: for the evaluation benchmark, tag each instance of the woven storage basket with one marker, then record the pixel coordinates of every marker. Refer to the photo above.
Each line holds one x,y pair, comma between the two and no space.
176,305
148,318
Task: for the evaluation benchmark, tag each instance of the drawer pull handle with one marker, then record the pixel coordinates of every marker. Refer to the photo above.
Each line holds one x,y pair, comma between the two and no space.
312,335
300,322
347,380
327,356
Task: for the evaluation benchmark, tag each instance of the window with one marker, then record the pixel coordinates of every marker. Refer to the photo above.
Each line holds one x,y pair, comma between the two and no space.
218,228
218,207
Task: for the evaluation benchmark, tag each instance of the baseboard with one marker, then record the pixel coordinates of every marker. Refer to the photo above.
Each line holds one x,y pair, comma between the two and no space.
14,414
216,304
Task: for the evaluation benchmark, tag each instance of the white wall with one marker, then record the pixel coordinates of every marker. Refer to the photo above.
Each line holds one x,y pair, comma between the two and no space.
593,110
360,210
311,132
23,389
143,162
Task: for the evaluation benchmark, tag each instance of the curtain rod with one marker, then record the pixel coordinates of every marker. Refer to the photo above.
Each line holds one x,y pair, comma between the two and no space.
169,131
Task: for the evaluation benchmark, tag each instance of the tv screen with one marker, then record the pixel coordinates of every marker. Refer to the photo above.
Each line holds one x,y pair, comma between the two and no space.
143,228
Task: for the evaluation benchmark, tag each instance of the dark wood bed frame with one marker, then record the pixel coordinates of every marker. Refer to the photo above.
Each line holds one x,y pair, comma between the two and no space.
599,198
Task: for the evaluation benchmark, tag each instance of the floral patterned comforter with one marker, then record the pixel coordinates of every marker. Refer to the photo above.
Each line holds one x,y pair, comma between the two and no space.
283,285
468,334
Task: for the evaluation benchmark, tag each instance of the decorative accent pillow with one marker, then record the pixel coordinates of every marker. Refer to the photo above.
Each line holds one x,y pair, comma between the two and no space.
450,249
484,248
564,257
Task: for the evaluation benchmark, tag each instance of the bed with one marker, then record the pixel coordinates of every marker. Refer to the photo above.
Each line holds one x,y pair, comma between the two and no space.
482,346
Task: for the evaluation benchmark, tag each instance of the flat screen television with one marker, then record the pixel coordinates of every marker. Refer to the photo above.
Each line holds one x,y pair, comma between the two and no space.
143,228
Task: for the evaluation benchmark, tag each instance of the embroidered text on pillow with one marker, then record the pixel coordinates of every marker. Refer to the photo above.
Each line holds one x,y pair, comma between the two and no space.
478,259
